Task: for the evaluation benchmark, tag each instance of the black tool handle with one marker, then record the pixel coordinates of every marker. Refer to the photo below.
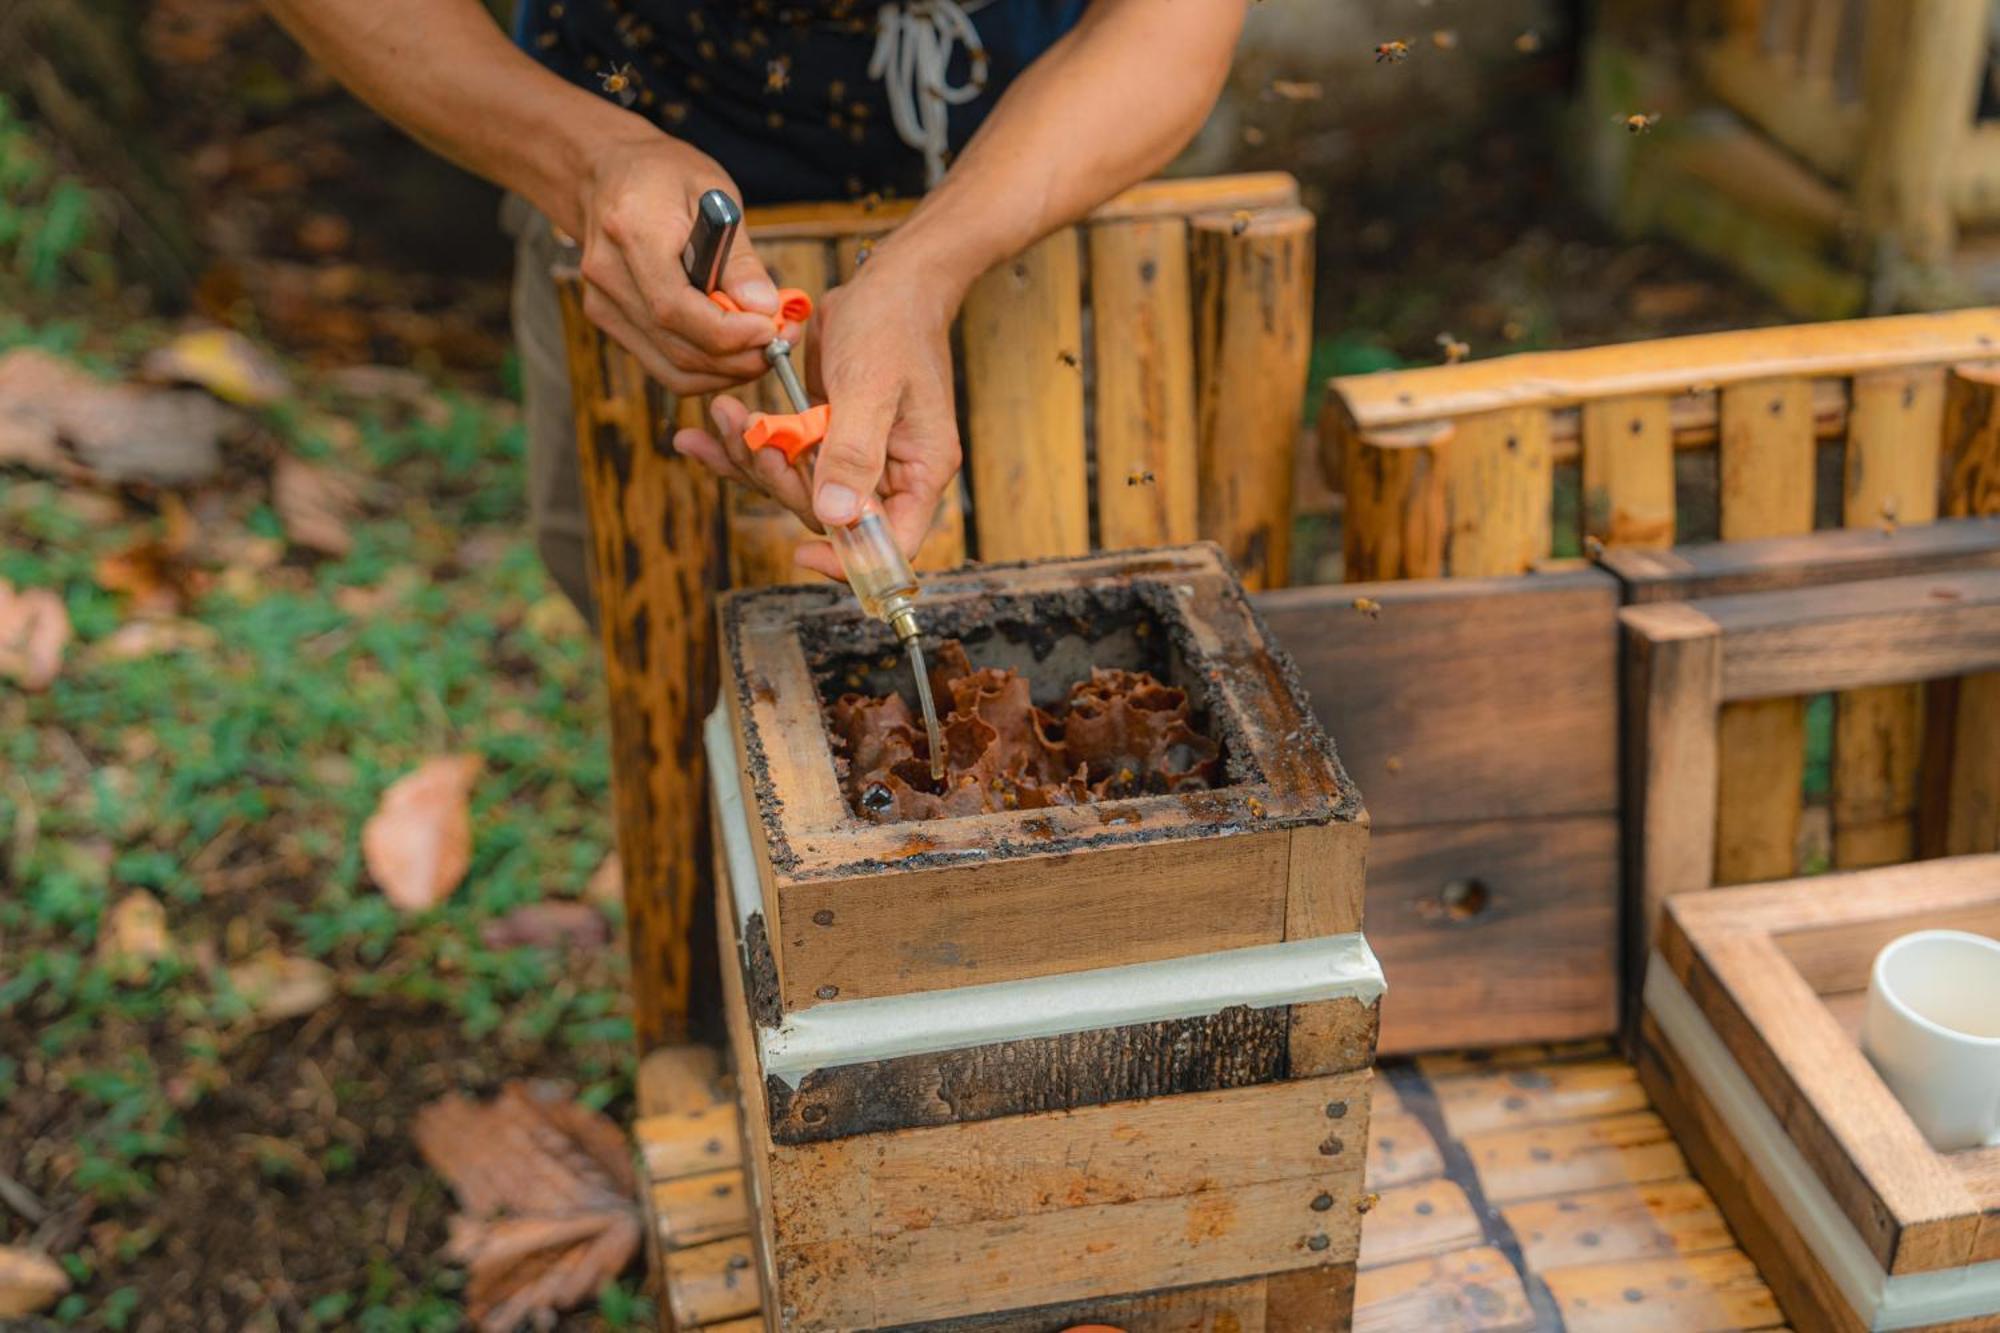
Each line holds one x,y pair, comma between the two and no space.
716,218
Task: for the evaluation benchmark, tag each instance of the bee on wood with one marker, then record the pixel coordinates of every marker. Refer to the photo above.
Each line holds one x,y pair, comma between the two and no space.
1392,53
1239,222
1139,477
1639,123
1369,607
1888,524
1255,807
1528,42
1593,547
619,82
1445,39
1454,350
1366,1203
1067,357
778,75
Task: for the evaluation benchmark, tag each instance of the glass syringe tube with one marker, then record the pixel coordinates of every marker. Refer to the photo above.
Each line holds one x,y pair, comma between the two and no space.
881,578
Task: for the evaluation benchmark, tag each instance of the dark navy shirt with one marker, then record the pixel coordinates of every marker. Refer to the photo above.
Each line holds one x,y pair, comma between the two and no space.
777,91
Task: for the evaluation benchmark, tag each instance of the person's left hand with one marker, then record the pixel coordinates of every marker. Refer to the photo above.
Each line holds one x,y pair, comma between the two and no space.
880,354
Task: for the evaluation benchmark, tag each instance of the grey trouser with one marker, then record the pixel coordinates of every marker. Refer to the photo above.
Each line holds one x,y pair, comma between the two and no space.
555,485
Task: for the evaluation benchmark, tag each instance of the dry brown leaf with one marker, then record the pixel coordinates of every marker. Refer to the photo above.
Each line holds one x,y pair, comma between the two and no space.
607,882
134,936
418,843
30,1281
119,432
555,617
34,630
316,505
556,924
547,1199
153,637
278,986
222,361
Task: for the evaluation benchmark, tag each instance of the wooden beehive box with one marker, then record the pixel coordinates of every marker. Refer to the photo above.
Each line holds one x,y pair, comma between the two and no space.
1070,1063
1750,1047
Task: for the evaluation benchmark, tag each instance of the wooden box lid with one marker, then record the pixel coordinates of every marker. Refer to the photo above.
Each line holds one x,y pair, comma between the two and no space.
858,910
1779,973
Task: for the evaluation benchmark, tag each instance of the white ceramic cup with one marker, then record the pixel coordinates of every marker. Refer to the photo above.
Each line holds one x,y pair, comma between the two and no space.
1932,1028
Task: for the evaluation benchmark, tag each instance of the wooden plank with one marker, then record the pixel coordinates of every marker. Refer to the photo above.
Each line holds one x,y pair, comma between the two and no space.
1440,1064
1309,1300
1471,1291
875,1186
1323,892
1400,1148
657,557
1717,1292
1628,472
1541,1160
1891,478
1225,1307
1465,700
679,1080
1971,468
1886,630
1767,491
1778,564
1674,679
1332,1036
1142,325
1624,1224
1252,285
707,1284
1395,526
1921,69
695,1210
1499,494
1972,820
1410,1221
1666,366
1022,325
1517,1098
1800,114
690,1142
1496,931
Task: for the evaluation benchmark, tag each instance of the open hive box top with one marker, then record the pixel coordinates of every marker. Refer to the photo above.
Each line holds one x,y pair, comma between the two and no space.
1177,614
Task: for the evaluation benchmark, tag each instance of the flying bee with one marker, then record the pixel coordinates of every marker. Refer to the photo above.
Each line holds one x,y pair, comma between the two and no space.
1392,53
1454,350
1369,607
1528,42
1445,39
778,75
1139,477
1640,123
619,82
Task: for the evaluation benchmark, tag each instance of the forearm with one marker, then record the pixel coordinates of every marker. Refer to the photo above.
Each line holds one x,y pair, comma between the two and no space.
1108,105
444,72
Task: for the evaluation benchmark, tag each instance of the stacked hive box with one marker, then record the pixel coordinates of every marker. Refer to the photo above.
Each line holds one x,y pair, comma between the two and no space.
1025,1069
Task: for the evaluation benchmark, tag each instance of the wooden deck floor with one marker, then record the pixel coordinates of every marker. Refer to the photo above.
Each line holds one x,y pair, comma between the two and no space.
1530,1188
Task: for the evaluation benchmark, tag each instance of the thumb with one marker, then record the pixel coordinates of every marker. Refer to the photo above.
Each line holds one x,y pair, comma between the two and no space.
745,278
850,458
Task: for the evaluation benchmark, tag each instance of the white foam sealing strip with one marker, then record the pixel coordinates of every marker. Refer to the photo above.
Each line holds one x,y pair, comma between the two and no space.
847,1032
1908,1300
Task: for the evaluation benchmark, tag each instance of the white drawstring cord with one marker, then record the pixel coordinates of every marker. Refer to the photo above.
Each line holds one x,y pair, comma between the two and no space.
914,44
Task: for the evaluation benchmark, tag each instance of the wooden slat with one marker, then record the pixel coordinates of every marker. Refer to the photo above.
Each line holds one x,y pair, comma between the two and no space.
1465,700
1891,470
1668,366
1400,1148
679,1080
1718,1292
1800,114
695,1210
710,1283
1498,494
1837,555
1542,1160
1252,286
1971,469
1023,327
1395,525
1628,472
690,1142
1142,323
1470,1291
1442,1064
1767,491
1972,820
1620,1225
1409,1221
1922,68
1517,1098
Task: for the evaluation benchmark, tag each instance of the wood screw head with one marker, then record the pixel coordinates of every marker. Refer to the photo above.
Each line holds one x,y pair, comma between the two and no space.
827,992
1321,1203
1317,1243
1331,1146
1336,1110
823,917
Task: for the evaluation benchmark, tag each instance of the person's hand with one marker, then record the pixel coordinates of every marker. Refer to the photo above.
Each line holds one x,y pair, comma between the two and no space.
880,354
639,206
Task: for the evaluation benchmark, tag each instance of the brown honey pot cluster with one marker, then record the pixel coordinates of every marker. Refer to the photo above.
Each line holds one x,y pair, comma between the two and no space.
1119,734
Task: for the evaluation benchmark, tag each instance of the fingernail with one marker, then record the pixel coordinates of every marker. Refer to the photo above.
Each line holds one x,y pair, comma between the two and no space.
758,294
836,503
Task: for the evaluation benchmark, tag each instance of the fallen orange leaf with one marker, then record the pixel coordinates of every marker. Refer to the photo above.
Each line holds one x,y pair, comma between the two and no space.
29,1281
418,843
316,506
547,1199
34,629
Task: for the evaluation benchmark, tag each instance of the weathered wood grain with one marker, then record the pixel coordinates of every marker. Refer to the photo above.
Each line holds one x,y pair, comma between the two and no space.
1778,564
1516,1098
1475,1290
1628,472
1396,525
1498,493
1698,1293
1624,1224
1971,467
1400,1148
708,1284
1542,1160
1409,1221
694,1210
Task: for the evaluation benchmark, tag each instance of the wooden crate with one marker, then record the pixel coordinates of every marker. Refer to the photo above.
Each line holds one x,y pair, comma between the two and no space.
1055,1065
1688,661
1750,1047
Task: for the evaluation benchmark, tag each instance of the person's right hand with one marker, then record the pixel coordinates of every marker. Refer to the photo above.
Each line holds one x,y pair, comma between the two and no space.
639,206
